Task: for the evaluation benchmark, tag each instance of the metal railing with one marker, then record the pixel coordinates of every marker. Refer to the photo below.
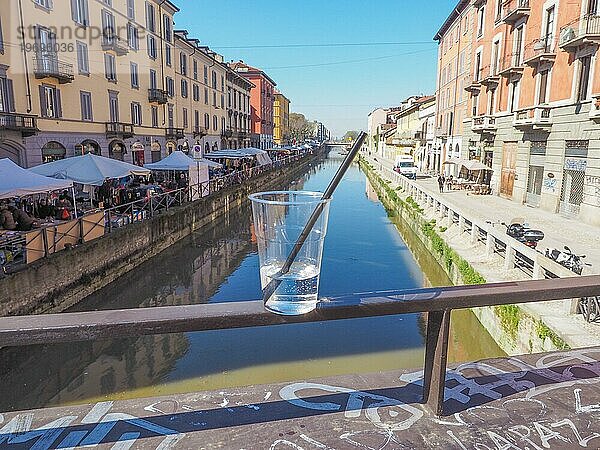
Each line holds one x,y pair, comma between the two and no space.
438,303
587,26
19,122
513,10
539,48
119,129
174,133
51,66
159,96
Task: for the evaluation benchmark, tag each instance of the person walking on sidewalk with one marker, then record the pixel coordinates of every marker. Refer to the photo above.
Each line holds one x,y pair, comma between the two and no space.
441,182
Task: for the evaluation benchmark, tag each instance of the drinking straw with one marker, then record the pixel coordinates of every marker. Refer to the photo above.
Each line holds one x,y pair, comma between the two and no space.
275,282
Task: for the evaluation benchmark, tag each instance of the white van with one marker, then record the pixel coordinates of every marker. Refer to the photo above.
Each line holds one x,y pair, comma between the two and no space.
405,165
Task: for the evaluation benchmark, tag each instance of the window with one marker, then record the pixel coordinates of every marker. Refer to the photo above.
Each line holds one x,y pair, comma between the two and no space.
131,9
206,121
184,88
543,87
80,12
222,101
50,102
136,114
108,27
215,123
585,65
477,66
168,29
168,56
135,78
151,47
498,10
154,113
153,79
133,39
214,102
150,17
44,3
495,58
205,75
1,39
514,96
214,79
549,28
7,96
480,21
170,87
518,45
183,64
86,106
195,70
113,105
110,67
185,118
83,63
196,120
205,96
475,106
196,90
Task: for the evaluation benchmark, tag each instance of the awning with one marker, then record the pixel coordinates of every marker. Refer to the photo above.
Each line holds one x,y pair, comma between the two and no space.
474,165
89,169
18,182
179,161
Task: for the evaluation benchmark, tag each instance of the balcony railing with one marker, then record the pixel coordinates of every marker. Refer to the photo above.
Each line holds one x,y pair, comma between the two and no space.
174,133
51,67
484,124
538,117
27,125
511,65
514,10
115,44
119,130
200,132
159,96
585,30
227,133
540,51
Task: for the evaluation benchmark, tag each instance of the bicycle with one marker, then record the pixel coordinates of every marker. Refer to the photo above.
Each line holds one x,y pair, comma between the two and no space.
590,308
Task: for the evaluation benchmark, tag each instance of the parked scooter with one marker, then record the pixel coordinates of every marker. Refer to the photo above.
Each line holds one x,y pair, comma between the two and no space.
567,259
520,231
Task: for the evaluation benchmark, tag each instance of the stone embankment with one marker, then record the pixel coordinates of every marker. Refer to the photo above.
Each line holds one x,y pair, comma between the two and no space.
466,259
55,283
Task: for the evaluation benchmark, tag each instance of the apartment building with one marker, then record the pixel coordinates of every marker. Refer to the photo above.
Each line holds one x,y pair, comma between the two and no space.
238,110
85,76
201,105
281,116
455,39
534,102
375,119
262,99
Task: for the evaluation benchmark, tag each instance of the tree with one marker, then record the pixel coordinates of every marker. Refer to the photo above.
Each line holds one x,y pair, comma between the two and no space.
300,128
350,136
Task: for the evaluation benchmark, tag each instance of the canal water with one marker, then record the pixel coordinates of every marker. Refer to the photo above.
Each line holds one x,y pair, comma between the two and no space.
364,251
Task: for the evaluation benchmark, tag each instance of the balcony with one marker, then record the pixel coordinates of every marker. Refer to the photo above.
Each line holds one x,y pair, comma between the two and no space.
27,125
540,51
515,10
119,130
51,67
174,133
537,118
200,132
490,77
159,96
473,85
595,111
115,44
512,65
586,30
484,125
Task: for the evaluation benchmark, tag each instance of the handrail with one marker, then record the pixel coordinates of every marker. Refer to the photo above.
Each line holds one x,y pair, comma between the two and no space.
437,302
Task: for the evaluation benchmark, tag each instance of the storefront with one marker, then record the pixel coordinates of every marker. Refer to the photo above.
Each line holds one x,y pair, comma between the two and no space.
117,150
88,146
138,154
155,151
53,151
171,147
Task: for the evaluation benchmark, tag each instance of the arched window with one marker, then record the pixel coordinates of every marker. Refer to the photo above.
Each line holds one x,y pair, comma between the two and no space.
223,123
89,146
53,151
457,150
207,121
215,123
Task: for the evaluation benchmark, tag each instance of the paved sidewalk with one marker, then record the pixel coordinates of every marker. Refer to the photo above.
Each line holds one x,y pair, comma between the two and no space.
558,230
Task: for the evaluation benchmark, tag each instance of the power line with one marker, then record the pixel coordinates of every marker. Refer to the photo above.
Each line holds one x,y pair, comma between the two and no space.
338,44
350,61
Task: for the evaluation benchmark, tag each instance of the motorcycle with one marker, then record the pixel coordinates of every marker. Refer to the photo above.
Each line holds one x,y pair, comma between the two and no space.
520,231
567,259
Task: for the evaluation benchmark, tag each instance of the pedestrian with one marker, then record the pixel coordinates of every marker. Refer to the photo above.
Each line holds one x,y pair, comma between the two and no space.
7,221
441,182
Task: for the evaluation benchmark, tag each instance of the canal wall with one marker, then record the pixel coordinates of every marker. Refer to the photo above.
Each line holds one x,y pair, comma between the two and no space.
63,279
515,330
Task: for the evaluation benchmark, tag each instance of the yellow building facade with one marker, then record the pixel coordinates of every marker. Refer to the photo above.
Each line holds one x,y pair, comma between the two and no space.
114,78
281,115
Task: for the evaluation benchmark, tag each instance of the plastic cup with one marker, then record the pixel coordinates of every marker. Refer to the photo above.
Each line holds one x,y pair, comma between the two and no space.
279,218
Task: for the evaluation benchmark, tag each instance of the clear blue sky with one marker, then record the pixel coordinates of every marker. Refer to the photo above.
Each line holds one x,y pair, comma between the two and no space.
320,81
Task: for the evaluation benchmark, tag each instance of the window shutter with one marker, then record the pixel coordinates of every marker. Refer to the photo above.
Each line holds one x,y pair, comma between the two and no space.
58,102
43,105
10,93
74,15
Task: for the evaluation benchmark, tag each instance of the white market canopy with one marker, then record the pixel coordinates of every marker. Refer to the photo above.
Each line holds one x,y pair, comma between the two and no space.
179,161
472,165
89,169
18,182
261,155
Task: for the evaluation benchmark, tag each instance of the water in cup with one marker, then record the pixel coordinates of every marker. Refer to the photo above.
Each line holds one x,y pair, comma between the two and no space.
298,290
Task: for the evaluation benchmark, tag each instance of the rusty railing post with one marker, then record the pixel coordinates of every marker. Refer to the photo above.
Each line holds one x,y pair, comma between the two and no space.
436,356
